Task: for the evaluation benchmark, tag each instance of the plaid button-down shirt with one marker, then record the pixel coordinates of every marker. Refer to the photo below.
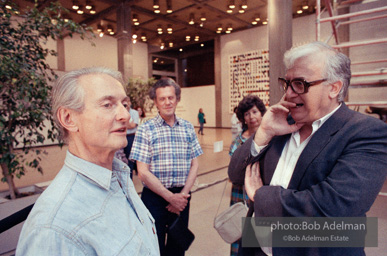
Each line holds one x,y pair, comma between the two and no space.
168,150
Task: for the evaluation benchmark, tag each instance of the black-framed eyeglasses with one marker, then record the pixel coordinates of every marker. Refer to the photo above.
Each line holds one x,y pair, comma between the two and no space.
298,85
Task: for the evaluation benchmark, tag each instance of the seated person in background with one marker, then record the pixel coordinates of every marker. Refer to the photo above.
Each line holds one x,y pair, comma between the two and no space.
329,161
91,207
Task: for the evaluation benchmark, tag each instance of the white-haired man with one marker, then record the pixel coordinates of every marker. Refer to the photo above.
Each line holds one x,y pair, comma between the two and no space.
329,161
91,207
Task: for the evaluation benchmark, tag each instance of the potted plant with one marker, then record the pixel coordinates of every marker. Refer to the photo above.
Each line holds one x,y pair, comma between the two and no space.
25,80
138,92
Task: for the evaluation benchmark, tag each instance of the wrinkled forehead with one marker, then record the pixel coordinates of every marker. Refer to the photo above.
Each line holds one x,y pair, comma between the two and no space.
98,80
96,86
307,66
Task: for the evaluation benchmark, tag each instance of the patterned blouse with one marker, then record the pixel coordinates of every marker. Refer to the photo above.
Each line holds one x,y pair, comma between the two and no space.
239,140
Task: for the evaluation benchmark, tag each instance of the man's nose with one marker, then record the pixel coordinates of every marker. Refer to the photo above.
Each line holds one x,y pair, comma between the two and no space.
123,113
290,93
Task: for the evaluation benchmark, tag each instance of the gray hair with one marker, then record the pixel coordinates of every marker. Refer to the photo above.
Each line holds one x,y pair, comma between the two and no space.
164,82
337,65
66,93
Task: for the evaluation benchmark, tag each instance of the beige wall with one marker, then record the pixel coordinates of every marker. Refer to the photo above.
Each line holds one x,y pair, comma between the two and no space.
194,98
191,100
80,54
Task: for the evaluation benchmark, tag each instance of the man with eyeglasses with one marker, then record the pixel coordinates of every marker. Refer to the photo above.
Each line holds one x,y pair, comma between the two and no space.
312,156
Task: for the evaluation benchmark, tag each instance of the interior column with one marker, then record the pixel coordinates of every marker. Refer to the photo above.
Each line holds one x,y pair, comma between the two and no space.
280,40
124,40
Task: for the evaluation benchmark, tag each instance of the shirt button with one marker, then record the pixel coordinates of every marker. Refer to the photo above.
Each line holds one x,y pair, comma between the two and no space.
142,221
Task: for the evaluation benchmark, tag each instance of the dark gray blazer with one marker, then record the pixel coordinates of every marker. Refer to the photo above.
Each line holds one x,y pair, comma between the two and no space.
339,174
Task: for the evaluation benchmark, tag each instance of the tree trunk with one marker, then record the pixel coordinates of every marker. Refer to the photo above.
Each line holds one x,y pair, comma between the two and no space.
13,192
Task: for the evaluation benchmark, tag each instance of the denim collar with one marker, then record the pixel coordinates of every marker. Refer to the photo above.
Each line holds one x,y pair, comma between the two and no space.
96,173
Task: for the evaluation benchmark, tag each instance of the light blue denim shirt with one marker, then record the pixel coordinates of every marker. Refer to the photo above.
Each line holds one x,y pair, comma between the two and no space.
86,212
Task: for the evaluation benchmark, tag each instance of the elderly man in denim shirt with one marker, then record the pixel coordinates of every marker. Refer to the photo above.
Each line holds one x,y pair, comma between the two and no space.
91,207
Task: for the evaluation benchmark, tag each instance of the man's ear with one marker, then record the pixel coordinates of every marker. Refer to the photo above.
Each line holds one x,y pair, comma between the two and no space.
335,89
67,119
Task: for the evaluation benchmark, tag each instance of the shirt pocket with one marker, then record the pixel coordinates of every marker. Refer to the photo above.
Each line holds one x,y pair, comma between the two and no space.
183,148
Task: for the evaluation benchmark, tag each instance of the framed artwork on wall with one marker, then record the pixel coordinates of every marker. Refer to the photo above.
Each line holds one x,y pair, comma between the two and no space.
248,74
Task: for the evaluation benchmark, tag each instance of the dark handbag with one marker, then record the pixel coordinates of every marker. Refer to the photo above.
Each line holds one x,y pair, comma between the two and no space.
204,121
181,234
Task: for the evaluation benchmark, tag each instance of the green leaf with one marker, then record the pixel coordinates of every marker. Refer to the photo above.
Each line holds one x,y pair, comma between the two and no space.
24,76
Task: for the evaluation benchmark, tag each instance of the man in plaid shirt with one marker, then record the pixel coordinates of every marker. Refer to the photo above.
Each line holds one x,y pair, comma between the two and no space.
166,150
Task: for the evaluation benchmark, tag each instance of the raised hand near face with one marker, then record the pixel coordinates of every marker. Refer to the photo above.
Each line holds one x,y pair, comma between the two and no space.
274,122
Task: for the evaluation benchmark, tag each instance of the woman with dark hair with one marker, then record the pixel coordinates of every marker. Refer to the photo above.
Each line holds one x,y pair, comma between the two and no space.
250,111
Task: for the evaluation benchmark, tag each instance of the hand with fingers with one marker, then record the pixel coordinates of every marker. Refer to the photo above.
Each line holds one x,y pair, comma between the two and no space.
275,122
178,202
253,180
173,209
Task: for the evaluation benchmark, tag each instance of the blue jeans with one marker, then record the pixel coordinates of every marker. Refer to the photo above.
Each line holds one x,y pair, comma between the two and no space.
163,218
201,128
